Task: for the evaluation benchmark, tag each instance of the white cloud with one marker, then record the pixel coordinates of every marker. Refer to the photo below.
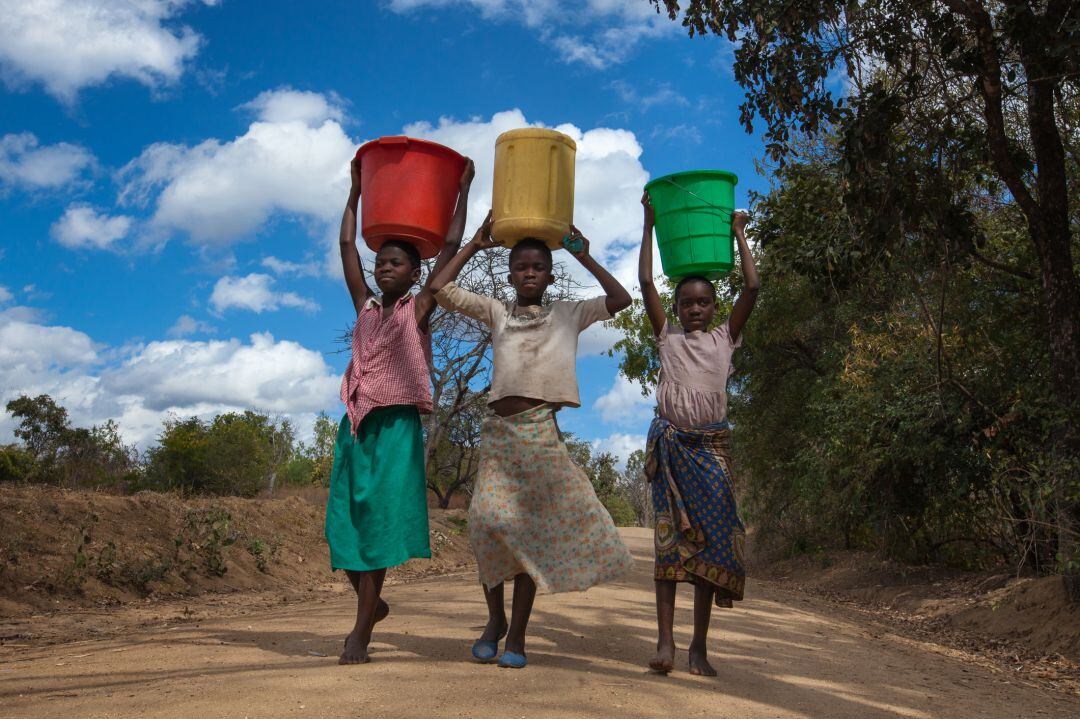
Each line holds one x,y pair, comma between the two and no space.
82,227
288,105
31,347
596,33
663,94
67,45
275,376
139,385
682,133
597,339
624,404
221,192
621,445
285,267
5,295
255,292
187,325
24,162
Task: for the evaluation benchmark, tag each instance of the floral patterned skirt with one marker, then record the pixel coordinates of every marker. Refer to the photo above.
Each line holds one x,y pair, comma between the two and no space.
534,511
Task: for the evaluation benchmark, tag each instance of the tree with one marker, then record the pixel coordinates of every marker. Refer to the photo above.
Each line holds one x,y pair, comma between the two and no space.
16,463
972,82
635,488
55,452
237,453
606,480
98,456
453,463
43,428
320,454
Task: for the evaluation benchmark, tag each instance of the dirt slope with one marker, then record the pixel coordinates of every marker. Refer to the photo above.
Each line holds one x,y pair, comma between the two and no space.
1025,612
62,550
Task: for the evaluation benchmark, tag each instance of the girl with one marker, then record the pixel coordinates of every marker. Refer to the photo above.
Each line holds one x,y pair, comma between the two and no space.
699,536
534,516
376,513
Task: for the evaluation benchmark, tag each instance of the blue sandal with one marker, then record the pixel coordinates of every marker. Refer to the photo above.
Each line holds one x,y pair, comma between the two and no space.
484,651
512,660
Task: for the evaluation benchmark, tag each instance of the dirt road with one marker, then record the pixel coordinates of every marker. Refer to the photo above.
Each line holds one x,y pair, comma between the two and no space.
778,655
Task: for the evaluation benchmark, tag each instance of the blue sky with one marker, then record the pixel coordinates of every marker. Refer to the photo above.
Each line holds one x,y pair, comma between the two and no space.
172,174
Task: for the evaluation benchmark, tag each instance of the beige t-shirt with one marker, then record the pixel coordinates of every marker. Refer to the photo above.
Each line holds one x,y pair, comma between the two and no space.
535,355
694,370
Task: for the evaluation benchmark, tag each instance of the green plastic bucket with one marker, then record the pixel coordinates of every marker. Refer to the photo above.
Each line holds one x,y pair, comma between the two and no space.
693,222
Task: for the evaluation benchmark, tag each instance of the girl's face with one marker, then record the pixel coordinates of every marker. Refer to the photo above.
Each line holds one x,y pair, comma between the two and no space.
696,306
394,273
530,273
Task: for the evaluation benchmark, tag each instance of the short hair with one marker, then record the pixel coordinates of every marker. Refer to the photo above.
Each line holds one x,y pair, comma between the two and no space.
693,278
531,243
408,248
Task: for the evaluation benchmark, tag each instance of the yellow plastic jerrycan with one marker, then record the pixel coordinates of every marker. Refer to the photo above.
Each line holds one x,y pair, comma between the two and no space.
533,193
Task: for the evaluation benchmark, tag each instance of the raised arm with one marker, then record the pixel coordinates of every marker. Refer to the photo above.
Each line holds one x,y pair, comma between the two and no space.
752,283
618,298
425,300
450,271
350,257
654,308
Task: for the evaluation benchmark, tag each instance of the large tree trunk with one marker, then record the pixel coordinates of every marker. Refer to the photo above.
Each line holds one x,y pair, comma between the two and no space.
1052,237
1047,213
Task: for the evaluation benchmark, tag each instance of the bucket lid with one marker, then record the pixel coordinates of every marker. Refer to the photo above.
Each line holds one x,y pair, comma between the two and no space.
405,143
689,174
536,133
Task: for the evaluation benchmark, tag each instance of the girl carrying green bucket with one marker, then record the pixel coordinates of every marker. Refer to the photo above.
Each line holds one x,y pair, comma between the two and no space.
376,512
698,534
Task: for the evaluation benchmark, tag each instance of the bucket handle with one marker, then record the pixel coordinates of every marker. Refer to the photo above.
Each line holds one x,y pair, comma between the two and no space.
394,140
699,197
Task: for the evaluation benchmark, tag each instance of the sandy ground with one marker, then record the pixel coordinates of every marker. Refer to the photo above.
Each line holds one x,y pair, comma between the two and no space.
779,654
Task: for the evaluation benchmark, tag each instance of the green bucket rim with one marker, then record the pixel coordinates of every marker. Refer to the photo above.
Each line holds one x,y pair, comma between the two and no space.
676,175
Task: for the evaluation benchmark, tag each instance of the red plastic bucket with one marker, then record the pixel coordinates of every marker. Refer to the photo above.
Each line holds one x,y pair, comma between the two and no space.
408,190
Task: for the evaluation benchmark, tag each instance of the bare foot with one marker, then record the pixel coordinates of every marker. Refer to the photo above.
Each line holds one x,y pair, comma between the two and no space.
381,610
354,652
664,661
699,662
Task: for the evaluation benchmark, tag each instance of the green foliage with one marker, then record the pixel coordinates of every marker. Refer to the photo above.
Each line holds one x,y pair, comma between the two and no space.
608,483
263,552
55,452
322,452
208,534
235,453
81,558
299,471
16,464
637,491
43,425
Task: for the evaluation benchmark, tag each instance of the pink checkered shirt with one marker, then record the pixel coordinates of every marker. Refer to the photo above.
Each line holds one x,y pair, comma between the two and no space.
389,364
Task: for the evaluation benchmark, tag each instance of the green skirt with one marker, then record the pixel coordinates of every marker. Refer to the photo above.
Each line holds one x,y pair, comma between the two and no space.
376,514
